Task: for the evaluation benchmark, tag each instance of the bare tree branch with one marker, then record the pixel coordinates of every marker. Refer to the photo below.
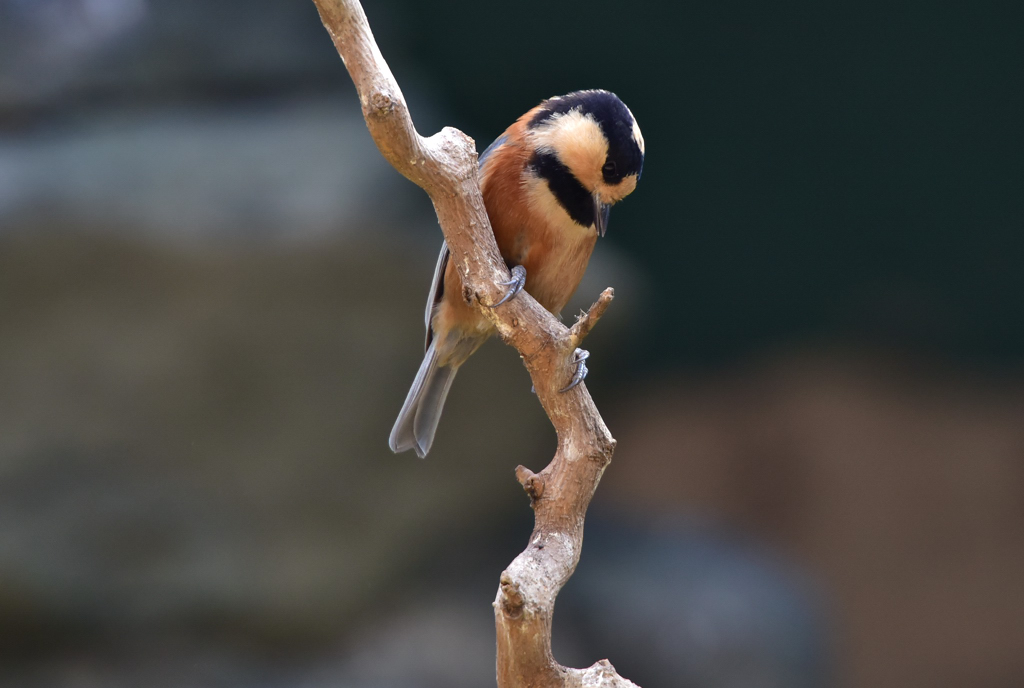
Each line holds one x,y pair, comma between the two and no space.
445,166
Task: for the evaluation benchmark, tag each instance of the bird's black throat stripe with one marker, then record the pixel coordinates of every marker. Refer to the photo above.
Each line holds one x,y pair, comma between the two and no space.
565,187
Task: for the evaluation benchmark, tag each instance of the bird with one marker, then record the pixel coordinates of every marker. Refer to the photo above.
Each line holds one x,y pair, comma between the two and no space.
548,183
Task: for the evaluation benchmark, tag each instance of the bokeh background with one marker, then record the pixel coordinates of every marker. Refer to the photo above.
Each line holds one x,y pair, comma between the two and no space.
211,290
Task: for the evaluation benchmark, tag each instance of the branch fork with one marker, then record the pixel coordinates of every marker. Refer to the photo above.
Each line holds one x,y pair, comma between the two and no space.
445,166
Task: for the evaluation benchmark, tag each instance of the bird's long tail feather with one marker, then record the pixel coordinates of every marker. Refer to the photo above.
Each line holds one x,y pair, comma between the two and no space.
418,419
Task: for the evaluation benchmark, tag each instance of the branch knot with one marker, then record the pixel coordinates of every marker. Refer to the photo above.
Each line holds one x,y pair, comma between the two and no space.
531,482
511,598
380,105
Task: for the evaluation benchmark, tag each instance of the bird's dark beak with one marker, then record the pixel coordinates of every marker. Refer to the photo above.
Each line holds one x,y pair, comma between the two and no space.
601,212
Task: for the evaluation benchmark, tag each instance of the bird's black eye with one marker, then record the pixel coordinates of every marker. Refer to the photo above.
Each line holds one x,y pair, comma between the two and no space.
609,170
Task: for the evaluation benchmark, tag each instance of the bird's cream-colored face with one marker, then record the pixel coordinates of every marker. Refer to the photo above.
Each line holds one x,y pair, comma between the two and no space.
577,141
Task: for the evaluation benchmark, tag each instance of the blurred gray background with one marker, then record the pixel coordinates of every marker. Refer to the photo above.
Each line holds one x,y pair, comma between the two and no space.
211,292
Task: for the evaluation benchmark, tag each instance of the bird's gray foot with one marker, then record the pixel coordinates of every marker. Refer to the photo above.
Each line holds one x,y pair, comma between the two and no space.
515,284
579,359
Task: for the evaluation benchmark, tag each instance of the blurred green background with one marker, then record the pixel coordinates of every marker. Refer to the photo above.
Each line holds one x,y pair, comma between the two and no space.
211,291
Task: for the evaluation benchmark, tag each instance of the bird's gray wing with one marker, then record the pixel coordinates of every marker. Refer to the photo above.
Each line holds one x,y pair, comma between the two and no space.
437,285
498,143
436,289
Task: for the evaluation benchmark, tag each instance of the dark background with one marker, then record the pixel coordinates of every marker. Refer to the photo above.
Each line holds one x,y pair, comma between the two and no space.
211,292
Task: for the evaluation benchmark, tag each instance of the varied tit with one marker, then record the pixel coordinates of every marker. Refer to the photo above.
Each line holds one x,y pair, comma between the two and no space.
548,183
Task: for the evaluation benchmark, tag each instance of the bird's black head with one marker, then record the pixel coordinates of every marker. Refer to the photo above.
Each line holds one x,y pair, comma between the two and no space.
589,148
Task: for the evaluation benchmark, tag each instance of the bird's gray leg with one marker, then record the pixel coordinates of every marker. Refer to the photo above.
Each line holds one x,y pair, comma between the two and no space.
579,358
515,284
